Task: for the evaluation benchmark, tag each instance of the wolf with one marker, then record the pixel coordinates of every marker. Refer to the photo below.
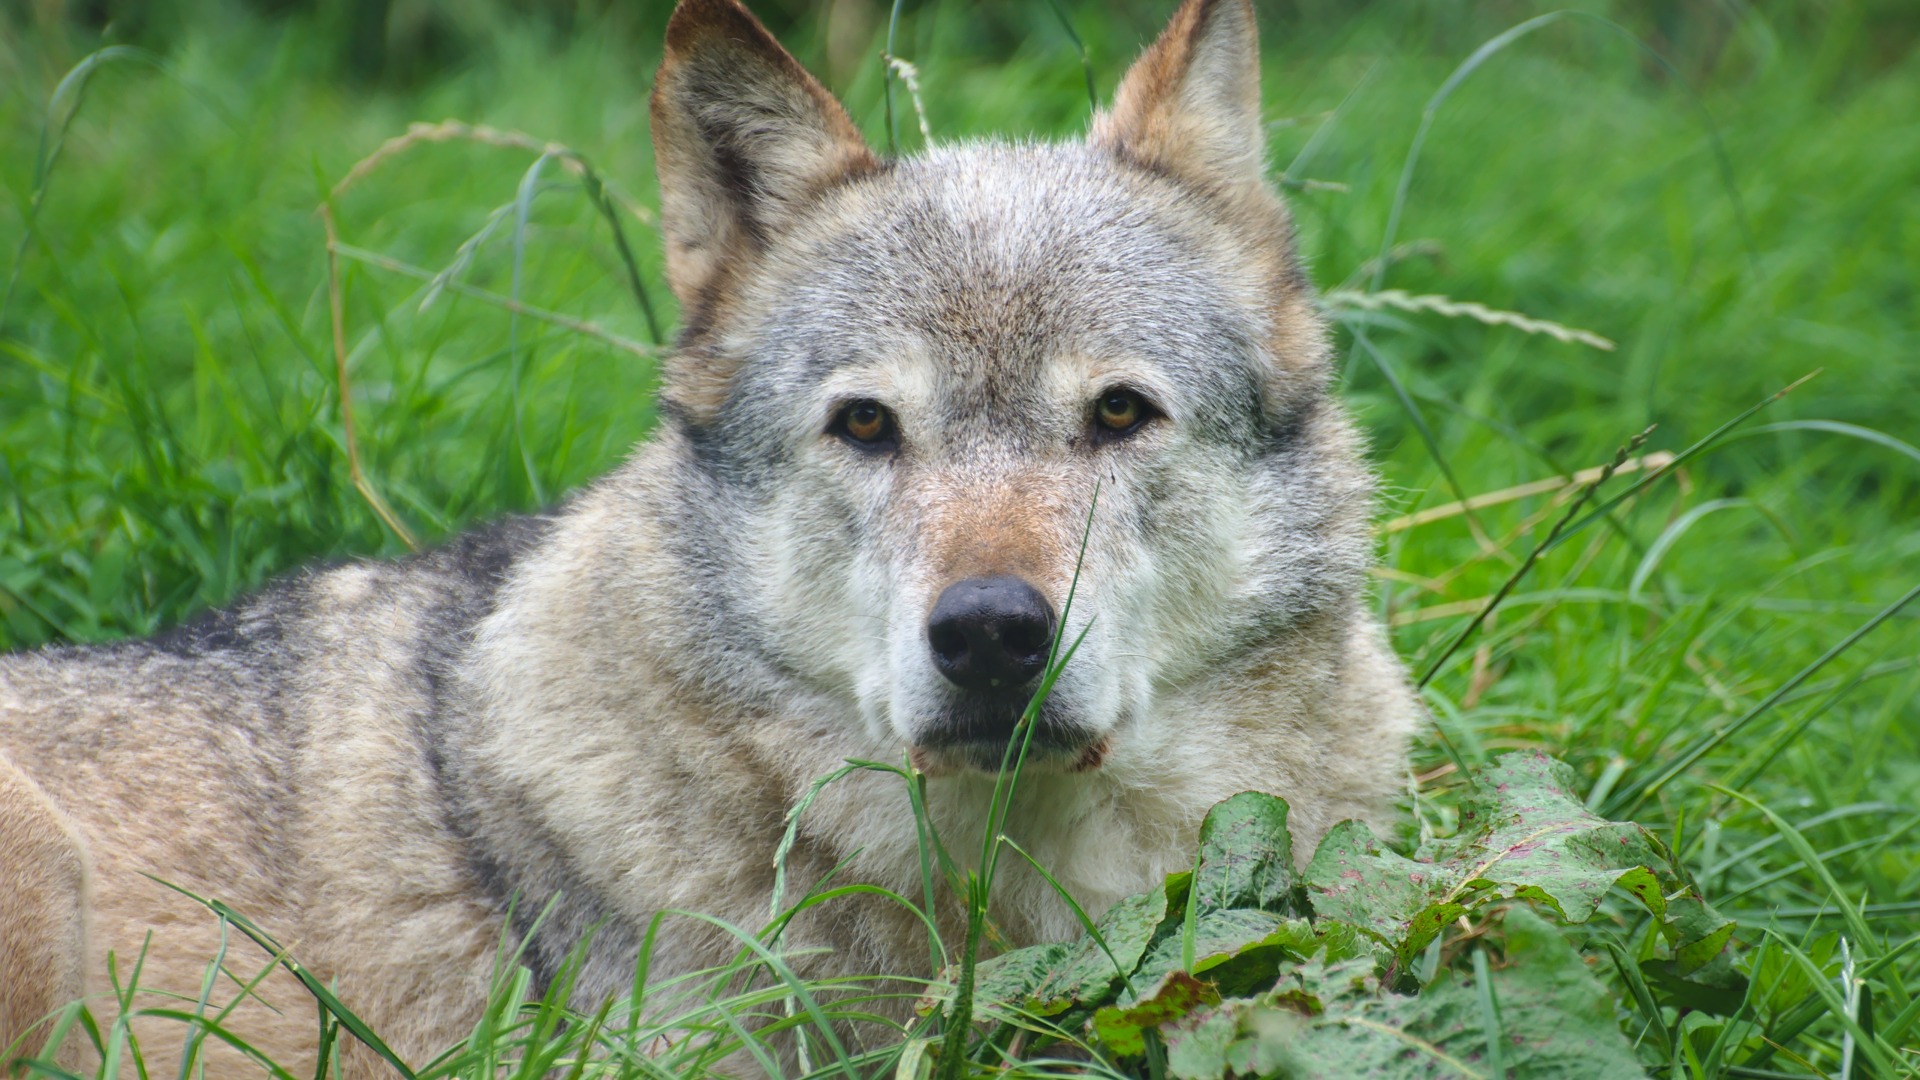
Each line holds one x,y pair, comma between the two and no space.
916,404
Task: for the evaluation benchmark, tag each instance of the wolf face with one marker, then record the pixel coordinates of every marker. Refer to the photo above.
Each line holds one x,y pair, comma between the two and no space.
940,388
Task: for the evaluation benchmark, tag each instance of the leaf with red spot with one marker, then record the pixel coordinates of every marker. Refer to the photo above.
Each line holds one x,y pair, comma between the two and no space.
1524,834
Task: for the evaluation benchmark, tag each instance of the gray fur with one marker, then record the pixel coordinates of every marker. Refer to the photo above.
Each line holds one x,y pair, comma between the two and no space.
608,711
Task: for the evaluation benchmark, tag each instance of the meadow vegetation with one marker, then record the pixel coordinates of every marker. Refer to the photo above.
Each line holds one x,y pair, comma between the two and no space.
1536,246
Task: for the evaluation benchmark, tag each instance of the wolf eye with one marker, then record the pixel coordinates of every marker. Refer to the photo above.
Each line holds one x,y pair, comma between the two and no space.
865,422
1120,412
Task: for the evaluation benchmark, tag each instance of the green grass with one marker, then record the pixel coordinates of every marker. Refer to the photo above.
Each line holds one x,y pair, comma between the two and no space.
170,429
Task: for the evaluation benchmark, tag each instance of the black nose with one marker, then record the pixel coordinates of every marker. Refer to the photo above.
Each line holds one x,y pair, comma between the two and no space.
990,633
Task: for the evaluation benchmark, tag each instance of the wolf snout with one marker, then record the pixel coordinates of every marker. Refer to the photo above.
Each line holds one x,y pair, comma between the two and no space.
990,633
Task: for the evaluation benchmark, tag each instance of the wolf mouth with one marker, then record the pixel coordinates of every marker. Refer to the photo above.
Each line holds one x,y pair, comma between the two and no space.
982,734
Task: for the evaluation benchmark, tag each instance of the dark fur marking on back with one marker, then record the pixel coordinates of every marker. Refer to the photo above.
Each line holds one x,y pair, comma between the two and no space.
252,624
556,921
480,561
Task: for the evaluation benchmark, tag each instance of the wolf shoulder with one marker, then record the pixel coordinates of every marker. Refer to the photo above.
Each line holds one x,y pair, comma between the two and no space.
241,690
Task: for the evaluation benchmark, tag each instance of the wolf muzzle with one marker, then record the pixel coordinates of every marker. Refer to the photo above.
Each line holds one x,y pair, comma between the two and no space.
990,637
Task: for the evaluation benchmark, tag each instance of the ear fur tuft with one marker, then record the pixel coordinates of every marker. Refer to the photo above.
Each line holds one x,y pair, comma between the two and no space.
1191,104
743,138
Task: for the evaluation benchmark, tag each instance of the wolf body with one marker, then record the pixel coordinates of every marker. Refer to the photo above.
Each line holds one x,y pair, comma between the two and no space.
913,399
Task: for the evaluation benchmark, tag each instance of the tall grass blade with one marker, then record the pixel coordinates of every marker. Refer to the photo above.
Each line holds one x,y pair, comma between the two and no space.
960,1014
1490,1016
1680,459
1813,862
1619,458
53,139
603,199
1080,913
189,1047
1671,535
319,990
797,987
1492,47
1837,427
522,210
1086,64
1419,421
886,76
1630,801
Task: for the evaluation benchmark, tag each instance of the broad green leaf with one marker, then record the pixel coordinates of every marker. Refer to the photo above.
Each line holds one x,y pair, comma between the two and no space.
1049,979
1224,964
1353,880
1699,933
1198,1050
1129,925
1524,834
1014,979
1524,830
1239,950
1123,1030
1556,1022
1238,1038
1246,856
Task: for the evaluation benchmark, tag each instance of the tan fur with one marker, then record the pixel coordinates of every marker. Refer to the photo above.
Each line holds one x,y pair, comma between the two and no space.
358,883
1008,526
43,927
1191,104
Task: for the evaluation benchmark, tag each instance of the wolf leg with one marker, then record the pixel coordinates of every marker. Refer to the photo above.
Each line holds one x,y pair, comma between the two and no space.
43,897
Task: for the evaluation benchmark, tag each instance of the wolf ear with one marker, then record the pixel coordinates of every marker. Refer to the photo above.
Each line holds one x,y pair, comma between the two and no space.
1191,104
742,136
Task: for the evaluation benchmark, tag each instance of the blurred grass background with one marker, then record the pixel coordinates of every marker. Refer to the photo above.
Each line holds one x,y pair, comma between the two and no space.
170,430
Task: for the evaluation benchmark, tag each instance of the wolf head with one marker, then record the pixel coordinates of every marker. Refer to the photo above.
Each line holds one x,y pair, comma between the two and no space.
921,398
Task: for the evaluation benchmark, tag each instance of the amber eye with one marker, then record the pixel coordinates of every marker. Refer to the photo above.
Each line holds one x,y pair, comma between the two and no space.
1119,412
866,422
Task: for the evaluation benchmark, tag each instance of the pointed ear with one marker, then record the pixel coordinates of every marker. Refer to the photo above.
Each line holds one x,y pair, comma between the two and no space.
1191,104
743,138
